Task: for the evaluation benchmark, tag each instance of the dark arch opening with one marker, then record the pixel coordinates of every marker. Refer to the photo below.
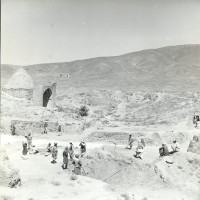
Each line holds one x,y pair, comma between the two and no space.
46,95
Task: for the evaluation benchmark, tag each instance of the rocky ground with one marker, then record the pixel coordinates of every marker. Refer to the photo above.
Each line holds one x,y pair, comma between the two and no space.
106,129
148,98
150,178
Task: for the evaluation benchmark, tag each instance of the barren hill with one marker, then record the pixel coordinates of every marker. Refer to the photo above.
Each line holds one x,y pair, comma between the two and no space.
175,68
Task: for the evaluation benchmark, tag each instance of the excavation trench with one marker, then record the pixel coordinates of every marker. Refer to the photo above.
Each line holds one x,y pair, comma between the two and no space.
110,166
113,166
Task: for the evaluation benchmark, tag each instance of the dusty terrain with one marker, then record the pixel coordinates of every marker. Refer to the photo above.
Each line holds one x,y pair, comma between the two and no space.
151,94
149,178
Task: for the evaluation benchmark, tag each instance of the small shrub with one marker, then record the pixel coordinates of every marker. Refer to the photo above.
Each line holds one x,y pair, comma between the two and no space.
83,111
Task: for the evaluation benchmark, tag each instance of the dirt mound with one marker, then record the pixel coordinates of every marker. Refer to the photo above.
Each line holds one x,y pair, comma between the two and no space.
181,162
119,169
8,175
122,137
151,138
194,145
169,136
114,137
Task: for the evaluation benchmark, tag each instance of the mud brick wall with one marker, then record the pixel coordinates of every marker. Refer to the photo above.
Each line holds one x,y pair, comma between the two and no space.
33,127
37,127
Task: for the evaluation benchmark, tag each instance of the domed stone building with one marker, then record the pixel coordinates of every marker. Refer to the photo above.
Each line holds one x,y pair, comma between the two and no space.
20,85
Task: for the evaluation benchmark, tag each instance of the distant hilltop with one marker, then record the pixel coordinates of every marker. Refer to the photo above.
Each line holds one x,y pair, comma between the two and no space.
173,68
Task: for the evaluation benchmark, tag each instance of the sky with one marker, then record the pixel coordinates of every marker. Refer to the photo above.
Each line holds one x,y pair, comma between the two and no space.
48,31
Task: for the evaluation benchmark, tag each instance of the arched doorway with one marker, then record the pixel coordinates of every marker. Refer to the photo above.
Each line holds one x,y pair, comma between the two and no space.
46,95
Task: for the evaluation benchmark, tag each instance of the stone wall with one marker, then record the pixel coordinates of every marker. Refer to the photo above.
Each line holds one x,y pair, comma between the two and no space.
37,127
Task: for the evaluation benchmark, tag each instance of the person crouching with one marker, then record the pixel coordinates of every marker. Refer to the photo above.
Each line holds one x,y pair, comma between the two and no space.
77,165
163,151
139,150
175,146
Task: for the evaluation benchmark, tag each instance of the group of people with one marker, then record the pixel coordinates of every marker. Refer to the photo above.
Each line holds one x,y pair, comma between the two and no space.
69,151
163,151
69,155
139,149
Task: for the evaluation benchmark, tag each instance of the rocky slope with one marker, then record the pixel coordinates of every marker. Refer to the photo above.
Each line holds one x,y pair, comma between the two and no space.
175,68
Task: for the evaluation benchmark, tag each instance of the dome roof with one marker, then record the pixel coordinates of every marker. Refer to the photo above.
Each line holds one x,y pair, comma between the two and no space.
20,80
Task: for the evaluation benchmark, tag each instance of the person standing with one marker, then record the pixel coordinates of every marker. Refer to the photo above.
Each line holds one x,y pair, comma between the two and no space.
59,128
65,158
29,140
24,145
45,128
130,142
77,165
82,148
54,153
71,150
163,151
13,128
49,148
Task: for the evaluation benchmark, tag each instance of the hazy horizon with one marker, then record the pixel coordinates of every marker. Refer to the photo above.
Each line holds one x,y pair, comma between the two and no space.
51,31
97,56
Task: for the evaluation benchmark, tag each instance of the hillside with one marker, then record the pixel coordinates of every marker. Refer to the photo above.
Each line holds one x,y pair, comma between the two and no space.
175,68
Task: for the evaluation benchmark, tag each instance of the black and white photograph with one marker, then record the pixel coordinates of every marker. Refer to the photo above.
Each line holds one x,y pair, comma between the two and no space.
100,100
